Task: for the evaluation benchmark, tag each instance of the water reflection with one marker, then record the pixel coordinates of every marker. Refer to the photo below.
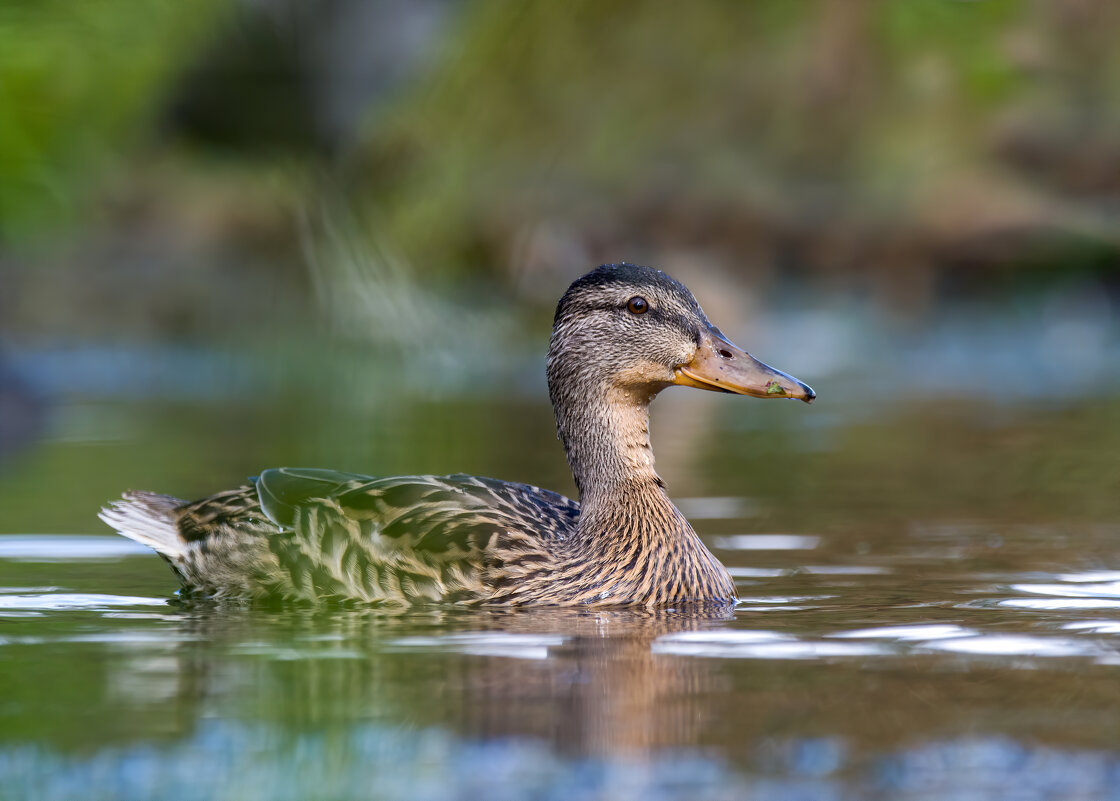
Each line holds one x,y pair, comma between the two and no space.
224,760
435,703
907,630
586,683
760,645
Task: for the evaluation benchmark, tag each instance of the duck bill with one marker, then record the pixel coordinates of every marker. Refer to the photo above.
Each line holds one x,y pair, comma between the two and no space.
720,366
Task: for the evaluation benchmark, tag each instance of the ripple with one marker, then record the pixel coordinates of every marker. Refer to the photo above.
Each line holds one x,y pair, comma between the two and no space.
914,639
1016,645
846,570
1094,626
717,508
517,646
766,542
745,644
1079,593
1091,576
749,603
756,572
1056,604
67,547
918,633
282,653
1110,589
73,600
731,635
814,570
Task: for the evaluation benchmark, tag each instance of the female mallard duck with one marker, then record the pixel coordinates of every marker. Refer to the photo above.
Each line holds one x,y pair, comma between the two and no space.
622,333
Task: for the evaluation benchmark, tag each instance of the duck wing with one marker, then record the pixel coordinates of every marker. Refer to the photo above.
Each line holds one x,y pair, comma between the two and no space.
408,538
301,533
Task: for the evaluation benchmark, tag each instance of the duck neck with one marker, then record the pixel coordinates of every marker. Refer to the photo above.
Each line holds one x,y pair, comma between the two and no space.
632,543
606,439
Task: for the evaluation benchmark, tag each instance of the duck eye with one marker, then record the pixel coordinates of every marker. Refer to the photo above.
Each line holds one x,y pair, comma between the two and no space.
637,305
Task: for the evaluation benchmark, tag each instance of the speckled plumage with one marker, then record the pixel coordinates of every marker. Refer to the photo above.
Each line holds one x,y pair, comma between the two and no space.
317,534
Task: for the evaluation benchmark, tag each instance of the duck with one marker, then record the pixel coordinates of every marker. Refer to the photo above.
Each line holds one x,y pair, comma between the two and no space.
621,334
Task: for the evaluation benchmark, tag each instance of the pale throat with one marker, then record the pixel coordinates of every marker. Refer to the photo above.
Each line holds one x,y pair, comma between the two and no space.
624,508
606,439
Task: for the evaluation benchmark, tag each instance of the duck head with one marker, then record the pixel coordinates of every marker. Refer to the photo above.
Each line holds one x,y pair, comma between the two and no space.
633,331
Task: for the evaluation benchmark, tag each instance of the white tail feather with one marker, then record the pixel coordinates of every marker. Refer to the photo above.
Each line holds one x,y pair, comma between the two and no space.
150,519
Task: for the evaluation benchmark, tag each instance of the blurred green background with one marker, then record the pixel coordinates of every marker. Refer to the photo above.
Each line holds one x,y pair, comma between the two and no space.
240,233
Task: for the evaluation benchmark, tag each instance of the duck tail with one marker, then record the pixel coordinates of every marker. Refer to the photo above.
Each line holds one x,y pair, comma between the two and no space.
150,519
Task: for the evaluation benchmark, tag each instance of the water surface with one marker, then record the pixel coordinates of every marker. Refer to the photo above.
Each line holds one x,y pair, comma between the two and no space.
930,609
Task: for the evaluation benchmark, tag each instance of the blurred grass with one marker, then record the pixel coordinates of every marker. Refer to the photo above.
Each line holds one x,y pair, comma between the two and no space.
890,143
870,129
80,84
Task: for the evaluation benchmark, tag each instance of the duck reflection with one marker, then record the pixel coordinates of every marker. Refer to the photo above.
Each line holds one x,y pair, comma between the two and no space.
586,682
600,690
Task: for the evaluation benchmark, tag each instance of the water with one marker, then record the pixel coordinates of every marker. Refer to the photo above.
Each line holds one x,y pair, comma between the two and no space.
930,609
901,675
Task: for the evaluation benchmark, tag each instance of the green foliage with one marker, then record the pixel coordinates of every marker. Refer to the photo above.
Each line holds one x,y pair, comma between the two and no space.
853,130
870,115
79,83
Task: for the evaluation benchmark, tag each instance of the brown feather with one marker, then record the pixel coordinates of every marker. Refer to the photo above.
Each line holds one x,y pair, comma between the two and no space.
475,540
